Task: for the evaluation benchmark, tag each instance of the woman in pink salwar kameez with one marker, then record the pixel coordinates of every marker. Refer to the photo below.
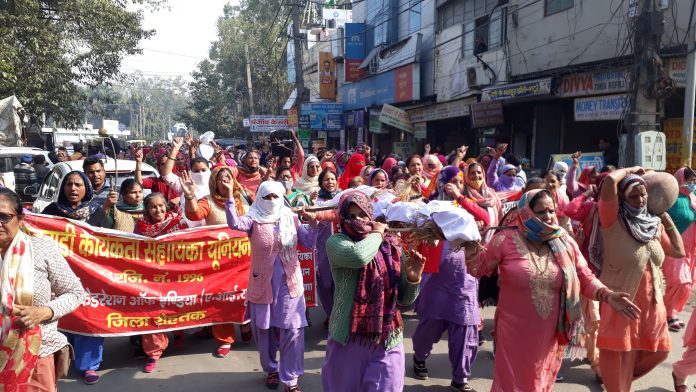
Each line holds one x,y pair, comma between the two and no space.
542,275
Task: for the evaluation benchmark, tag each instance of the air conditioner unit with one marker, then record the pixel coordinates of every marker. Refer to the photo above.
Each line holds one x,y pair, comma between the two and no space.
476,76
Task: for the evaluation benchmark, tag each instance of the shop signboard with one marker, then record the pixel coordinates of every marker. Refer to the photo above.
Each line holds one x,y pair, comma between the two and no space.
673,128
676,69
487,114
340,16
327,76
420,130
323,116
397,118
530,88
292,118
403,149
374,125
399,85
441,111
587,159
608,107
261,123
355,48
594,83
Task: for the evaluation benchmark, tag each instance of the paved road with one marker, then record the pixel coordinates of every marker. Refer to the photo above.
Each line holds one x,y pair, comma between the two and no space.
194,368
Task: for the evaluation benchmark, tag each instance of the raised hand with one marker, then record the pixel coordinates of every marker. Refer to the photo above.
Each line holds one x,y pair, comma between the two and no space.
461,151
177,143
500,150
452,191
576,158
427,149
188,184
139,155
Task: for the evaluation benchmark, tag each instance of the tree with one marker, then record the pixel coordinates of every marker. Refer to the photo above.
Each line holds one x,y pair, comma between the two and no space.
51,48
219,94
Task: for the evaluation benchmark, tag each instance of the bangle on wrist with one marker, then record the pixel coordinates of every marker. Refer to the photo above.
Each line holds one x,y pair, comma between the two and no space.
170,158
670,228
187,197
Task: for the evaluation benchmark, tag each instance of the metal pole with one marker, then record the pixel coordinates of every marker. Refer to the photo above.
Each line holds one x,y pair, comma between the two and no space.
299,72
689,100
249,86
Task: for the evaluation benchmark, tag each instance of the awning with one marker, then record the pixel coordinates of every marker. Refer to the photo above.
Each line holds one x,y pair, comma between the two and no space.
374,52
291,100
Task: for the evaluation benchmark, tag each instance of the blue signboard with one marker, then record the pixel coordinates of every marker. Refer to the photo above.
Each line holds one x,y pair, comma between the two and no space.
323,116
355,41
399,85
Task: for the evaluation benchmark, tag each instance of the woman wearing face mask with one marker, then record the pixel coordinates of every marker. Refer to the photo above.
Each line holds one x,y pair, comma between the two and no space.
448,300
308,182
365,349
157,220
507,181
295,197
355,164
75,202
275,292
679,272
211,210
542,275
561,168
431,166
635,244
126,211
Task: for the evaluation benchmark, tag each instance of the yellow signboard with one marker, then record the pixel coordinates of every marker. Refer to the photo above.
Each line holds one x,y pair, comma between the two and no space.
673,127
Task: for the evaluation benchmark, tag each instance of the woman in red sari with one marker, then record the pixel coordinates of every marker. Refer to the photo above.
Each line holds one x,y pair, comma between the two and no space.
157,220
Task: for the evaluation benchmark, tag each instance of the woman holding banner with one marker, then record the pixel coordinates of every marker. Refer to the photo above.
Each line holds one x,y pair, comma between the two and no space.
156,221
37,287
211,209
75,202
275,291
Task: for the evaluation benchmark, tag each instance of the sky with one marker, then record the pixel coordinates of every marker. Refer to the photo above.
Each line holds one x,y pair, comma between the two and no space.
182,39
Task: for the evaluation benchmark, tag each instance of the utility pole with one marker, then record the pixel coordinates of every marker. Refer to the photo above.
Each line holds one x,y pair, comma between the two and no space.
299,72
649,25
689,98
249,86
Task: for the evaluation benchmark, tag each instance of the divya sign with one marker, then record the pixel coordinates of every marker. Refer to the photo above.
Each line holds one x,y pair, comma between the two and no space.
594,83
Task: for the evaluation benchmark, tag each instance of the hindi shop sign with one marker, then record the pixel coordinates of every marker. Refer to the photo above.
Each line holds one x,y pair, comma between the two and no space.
531,88
608,107
268,123
138,285
594,83
323,116
487,114
355,51
397,118
395,86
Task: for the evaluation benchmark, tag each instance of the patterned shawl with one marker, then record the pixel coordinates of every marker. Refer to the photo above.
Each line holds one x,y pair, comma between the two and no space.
374,315
568,327
170,224
87,206
19,349
640,224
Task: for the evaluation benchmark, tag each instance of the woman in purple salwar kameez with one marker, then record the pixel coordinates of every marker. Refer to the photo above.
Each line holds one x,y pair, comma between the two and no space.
275,291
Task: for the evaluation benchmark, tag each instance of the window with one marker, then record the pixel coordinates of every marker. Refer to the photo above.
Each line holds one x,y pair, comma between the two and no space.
554,6
414,16
486,32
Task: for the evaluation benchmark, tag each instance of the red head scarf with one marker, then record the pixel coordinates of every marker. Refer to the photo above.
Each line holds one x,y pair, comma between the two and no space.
353,168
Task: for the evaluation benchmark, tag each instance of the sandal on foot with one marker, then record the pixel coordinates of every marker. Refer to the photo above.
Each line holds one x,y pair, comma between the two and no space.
673,325
150,365
90,377
420,371
245,330
464,387
294,388
272,380
222,351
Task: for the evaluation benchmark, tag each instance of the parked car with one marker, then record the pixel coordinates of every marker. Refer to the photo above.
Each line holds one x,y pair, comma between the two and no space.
11,156
48,192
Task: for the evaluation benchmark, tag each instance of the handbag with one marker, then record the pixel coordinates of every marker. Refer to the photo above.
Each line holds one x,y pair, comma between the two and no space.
62,359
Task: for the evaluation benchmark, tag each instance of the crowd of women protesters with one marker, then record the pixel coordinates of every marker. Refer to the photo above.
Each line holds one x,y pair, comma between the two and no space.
547,260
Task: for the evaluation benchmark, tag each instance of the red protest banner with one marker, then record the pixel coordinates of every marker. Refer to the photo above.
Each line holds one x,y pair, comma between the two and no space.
138,285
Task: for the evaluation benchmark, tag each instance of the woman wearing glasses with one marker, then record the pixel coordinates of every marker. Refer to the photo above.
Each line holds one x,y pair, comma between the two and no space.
75,202
37,287
275,292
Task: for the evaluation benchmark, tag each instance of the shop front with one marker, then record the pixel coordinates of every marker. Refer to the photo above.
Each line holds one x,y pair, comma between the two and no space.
445,126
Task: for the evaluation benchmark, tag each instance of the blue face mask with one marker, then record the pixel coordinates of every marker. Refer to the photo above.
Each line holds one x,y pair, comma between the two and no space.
690,187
